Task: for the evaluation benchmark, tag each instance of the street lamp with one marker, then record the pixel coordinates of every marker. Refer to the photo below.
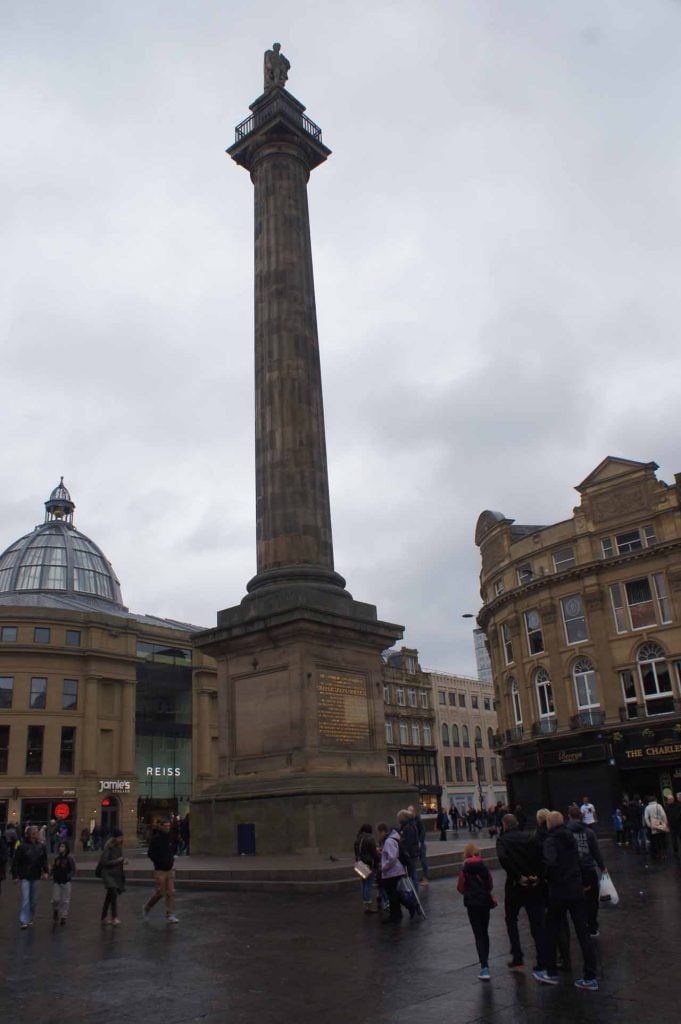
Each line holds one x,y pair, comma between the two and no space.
476,761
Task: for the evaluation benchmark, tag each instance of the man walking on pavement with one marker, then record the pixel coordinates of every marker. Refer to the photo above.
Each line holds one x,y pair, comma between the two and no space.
29,866
589,859
162,853
520,857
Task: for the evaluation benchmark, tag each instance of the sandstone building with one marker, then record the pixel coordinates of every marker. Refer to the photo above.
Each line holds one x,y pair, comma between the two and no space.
583,622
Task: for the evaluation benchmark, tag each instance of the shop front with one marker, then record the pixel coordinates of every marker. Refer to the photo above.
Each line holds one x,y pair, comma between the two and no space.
649,761
42,807
556,776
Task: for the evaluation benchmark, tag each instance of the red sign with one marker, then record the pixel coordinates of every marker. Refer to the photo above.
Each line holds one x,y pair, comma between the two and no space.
62,811
106,803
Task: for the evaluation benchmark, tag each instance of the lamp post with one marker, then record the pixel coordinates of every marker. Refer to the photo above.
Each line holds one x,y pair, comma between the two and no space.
476,761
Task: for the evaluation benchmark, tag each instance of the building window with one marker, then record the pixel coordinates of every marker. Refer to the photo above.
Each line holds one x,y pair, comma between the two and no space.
507,643
404,733
452,698
564,559
656,680
586,691
466,740
448,770
475,701
515,700
469,769
410,664
427,735
9,634
411,696
498,587
490,737
542,685
574,619
455,736
423,694
478,736
635,607
628,681
34,749
524,574
487,703
629,541
441,697
386,693
535,640
69,695
392,765
38,693
458,769
41,635
72,637
399,694
4,749
462,700
6,691
388,731
415,734
445,734
67,750
495,773
481,769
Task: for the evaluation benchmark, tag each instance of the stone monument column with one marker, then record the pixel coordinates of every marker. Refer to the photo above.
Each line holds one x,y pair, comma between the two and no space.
302,734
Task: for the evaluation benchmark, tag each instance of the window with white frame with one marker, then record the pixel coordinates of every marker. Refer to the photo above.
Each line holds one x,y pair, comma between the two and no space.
389,731
423,695
640,603
629,541
544,691
392,765
584,679
628,681
535,639
656,679
399,696
427,735
455,736
506,642
524,574
515,700
564,559
498,587
466,740
441,697
411,697
386,693
416,734
574,619
404,733
445,734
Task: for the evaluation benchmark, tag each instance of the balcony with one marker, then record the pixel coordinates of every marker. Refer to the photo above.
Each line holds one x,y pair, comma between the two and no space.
587,719
545,726
515,734
498,741
279,104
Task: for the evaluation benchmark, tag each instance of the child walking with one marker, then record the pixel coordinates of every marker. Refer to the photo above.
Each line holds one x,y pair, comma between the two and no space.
475,884
63,870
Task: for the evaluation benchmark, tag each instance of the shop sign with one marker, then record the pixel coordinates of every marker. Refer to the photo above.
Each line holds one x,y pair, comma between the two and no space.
640,753
163,771
521,764
114,786
576,755
69,792
62,811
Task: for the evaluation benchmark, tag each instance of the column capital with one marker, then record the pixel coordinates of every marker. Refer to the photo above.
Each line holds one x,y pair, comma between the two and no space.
277,116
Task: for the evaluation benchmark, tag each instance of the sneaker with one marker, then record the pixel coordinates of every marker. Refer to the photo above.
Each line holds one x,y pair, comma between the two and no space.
145,912
545,978
116,921
171,919
590,984
23,926
485,975
515,965
594,935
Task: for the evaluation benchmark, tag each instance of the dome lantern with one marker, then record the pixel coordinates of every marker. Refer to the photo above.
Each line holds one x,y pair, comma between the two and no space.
59,507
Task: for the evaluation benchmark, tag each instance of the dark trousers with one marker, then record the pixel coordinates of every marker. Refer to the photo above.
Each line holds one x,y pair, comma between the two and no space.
443,835
395,897
557,910
479,919
592,896
515,898
676,837
110,903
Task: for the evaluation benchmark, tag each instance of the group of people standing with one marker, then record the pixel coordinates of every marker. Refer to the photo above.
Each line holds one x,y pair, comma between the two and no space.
645,828
393,854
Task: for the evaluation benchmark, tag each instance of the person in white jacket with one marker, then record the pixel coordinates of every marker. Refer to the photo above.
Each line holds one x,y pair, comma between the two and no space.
656,821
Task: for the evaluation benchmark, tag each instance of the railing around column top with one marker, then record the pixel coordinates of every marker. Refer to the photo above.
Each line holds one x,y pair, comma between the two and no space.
277,105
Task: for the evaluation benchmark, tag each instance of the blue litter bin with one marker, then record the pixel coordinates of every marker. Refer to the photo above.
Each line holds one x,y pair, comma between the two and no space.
245,840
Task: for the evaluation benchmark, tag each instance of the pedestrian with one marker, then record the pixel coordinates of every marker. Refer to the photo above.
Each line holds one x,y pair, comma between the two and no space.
443,824
4,857
365,851
29,866
454,816
656,822
521,817
673,812
85,839
639,837
63,870
520,856
588,812
618,826
565,895
392,870
589,859
161,851
410,844
111,871
423,850
11,838
475,884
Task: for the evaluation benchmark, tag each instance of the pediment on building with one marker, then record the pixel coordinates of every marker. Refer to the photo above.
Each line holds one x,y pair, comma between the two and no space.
612,468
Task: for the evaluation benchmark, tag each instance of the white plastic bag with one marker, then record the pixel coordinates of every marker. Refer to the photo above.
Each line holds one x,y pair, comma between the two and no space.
607,891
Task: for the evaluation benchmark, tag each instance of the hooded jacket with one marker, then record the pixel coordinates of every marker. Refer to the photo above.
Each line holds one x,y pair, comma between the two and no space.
587,846
391,866
475,883
563,870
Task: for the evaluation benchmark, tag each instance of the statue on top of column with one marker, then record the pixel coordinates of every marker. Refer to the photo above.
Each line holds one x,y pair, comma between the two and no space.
276,68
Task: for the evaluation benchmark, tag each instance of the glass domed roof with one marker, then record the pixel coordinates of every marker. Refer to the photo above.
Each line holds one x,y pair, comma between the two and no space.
56,559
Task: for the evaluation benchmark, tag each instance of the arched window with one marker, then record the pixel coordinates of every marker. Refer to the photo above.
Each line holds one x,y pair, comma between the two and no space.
445,734
466,740
392,765
584,679
455,736
515,700
656,680
544,691
478,736
490,737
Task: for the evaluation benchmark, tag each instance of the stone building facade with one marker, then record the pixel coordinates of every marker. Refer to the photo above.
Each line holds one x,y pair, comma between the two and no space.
465,729
106,717
583,621
410,725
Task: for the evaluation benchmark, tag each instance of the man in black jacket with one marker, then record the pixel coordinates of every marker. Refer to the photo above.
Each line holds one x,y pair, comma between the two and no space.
520,857
565,895
162,853
589,858
29,866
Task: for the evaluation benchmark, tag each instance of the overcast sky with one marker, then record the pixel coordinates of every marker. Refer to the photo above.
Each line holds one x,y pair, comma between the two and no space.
497,246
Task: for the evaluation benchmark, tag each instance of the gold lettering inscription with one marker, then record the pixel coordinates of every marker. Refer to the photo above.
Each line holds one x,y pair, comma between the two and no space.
343,712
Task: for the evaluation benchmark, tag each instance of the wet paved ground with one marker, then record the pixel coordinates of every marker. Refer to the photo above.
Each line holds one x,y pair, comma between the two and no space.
275,959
